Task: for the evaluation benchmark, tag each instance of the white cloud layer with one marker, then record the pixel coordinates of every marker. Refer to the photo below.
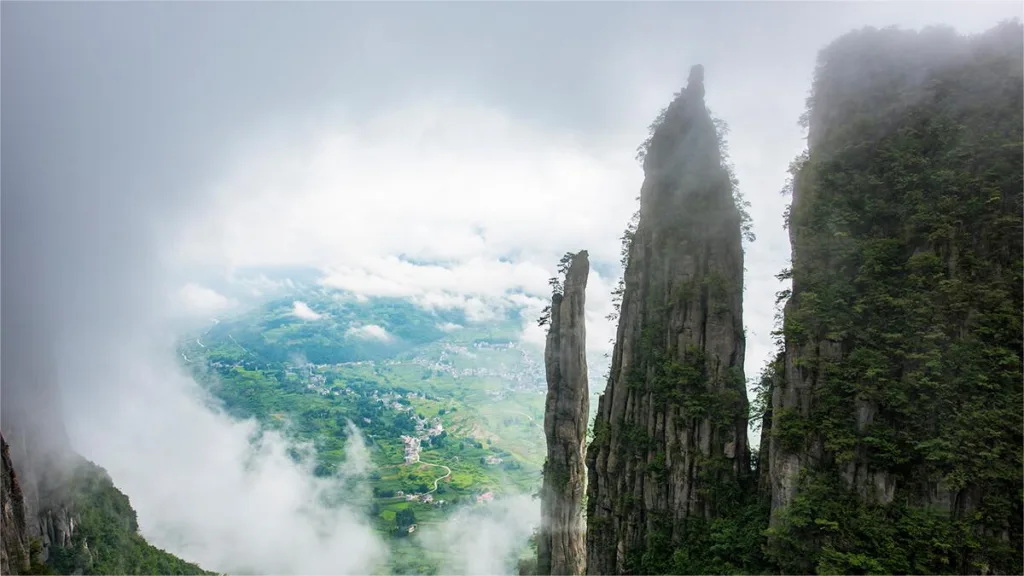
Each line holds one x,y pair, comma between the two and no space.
484,539
302,311
206,493
369,332
446,203
449,327
198,300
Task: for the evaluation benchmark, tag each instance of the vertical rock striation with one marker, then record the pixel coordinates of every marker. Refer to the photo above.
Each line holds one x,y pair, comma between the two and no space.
670,435
900,404
14,553
561,546
61,513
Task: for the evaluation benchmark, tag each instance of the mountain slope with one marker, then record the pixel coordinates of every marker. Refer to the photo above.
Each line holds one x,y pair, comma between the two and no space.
896,430
84,525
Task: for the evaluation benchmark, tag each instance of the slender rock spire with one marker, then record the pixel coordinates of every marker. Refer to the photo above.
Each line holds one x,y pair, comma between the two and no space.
561,548
671,425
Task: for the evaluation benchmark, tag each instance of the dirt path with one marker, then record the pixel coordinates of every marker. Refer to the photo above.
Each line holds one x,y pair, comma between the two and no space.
448,472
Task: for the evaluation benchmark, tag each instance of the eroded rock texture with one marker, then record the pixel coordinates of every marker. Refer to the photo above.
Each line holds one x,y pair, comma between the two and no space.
670,430
901,398
561,545
14,554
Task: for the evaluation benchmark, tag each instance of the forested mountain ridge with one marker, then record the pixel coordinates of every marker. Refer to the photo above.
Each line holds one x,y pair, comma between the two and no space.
896,425
61,513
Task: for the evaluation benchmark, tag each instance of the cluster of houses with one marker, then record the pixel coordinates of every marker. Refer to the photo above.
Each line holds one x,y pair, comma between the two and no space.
424,430
428,429
412,449
391,400
424,498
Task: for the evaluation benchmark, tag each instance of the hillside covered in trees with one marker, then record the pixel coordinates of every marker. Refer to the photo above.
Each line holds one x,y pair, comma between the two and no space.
896,426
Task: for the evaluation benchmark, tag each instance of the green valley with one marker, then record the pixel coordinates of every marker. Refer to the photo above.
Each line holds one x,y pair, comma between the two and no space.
451,409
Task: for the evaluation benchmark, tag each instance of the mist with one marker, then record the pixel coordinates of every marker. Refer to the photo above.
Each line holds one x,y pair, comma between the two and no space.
485,539
122,122
105,158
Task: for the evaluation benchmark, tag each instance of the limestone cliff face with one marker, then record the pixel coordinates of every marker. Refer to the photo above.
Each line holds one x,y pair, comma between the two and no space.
670,428
38,521
14,553
36,460
561,547
903,351
61,513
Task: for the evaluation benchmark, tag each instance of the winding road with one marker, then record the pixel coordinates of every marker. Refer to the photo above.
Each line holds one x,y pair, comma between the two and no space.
448,472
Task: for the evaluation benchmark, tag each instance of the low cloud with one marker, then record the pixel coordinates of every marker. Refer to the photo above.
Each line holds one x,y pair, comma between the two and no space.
369,332
476,219
199,300
485,539
436,285
260,285
213,496
303,311
449,327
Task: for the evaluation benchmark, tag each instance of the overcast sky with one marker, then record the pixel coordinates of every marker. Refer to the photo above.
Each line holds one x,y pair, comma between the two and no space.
449,153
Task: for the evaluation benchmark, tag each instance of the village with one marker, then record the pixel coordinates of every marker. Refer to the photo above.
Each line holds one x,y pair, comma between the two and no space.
526,376
424,430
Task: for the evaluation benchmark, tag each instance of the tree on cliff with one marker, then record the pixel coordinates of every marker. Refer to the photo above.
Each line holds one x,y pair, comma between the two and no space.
896,430
561,545
669,457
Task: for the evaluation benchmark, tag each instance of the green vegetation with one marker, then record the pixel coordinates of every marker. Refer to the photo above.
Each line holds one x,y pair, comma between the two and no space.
277,335
903,329
472,397
106,538
907,225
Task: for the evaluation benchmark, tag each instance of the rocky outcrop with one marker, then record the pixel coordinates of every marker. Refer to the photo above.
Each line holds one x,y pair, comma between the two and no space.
39,450
61,513
14,553
561,545
37,528
901,392
670,429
